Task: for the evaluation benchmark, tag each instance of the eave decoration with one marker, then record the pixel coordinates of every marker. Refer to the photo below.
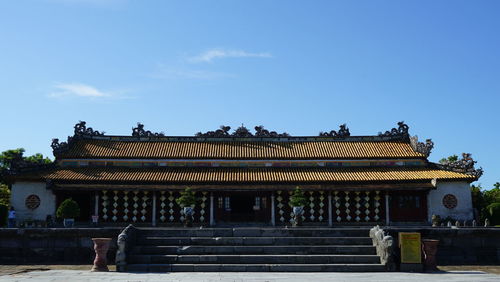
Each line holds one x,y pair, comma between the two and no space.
140,132
343,132
464,165
242,132
421,147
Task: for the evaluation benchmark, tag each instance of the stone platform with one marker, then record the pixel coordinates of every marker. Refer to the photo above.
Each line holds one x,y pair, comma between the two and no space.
252,249
79,275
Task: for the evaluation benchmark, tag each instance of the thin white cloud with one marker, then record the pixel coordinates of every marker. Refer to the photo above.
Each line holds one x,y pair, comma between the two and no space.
212,54
164,72
77,89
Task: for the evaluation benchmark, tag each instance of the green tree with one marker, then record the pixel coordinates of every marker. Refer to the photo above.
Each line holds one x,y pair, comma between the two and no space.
450,159
187,198
493,195
4,195
297,199
38,158
482,199
10,158
68,209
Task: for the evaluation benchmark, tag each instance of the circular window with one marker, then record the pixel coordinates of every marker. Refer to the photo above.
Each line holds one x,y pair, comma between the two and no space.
32,202
450,201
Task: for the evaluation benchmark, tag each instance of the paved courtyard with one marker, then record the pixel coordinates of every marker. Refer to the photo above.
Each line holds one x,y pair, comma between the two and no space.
82,275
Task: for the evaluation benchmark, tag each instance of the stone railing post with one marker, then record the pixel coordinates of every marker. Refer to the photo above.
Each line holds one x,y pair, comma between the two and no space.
126,240
384,246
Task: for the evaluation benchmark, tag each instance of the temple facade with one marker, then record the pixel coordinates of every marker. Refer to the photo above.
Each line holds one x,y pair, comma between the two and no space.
246,177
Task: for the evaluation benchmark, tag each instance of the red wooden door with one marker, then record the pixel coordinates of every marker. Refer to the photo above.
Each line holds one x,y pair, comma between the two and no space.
409,206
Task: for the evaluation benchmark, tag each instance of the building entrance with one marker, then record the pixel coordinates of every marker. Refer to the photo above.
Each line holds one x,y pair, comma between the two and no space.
243,207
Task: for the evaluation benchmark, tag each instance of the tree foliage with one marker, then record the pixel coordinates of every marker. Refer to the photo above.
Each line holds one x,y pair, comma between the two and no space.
9,158
450,159
4,195
68,209
493,213
297,199
482,199
187,198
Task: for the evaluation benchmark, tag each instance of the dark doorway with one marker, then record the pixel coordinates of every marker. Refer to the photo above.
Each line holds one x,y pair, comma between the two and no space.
242,207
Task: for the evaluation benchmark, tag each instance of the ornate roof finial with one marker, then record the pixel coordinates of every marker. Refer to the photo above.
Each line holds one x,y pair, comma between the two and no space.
343,132
140,132
401,131
222,132
261,132
423,148
242,132
464,165
81,130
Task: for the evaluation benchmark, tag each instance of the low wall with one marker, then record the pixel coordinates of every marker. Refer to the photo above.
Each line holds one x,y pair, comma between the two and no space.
74,245
458,246
53,245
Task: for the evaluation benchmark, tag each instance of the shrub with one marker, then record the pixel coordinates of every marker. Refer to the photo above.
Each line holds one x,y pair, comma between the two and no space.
68,209
297,199
187,198
493,213
4,212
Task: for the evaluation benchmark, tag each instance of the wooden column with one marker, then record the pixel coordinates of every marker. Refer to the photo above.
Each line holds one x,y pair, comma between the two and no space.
153,216
273,215
387,219
330,213
212,218
96,206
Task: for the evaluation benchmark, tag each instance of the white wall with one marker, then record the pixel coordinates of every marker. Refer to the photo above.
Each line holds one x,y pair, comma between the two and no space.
461,190
21,190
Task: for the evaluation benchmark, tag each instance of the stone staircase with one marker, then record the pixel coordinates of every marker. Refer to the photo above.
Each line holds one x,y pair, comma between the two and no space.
252,249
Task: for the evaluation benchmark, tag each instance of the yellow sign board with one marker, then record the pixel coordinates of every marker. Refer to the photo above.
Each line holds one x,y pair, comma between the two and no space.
410,246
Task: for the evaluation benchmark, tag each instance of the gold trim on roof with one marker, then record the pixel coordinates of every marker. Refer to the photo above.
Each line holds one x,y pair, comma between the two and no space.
241,150
250,175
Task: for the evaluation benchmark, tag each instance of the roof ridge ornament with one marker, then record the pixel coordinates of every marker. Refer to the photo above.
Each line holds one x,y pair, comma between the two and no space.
81,129
343,132
421,147
261,132
464,165
140,132
242,132
401,131
60,147
222,132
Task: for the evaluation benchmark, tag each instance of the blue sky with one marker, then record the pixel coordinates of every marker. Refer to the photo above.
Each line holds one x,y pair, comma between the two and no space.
296,66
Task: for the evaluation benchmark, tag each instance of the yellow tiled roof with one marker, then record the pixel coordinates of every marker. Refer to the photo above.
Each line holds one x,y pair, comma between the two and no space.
251,175
240,150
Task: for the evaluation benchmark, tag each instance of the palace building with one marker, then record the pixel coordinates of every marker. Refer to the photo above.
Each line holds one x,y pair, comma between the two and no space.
246,177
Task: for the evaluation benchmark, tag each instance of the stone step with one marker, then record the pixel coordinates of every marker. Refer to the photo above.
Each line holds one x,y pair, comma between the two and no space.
274,249
248,241
253,259
254,232
255,268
